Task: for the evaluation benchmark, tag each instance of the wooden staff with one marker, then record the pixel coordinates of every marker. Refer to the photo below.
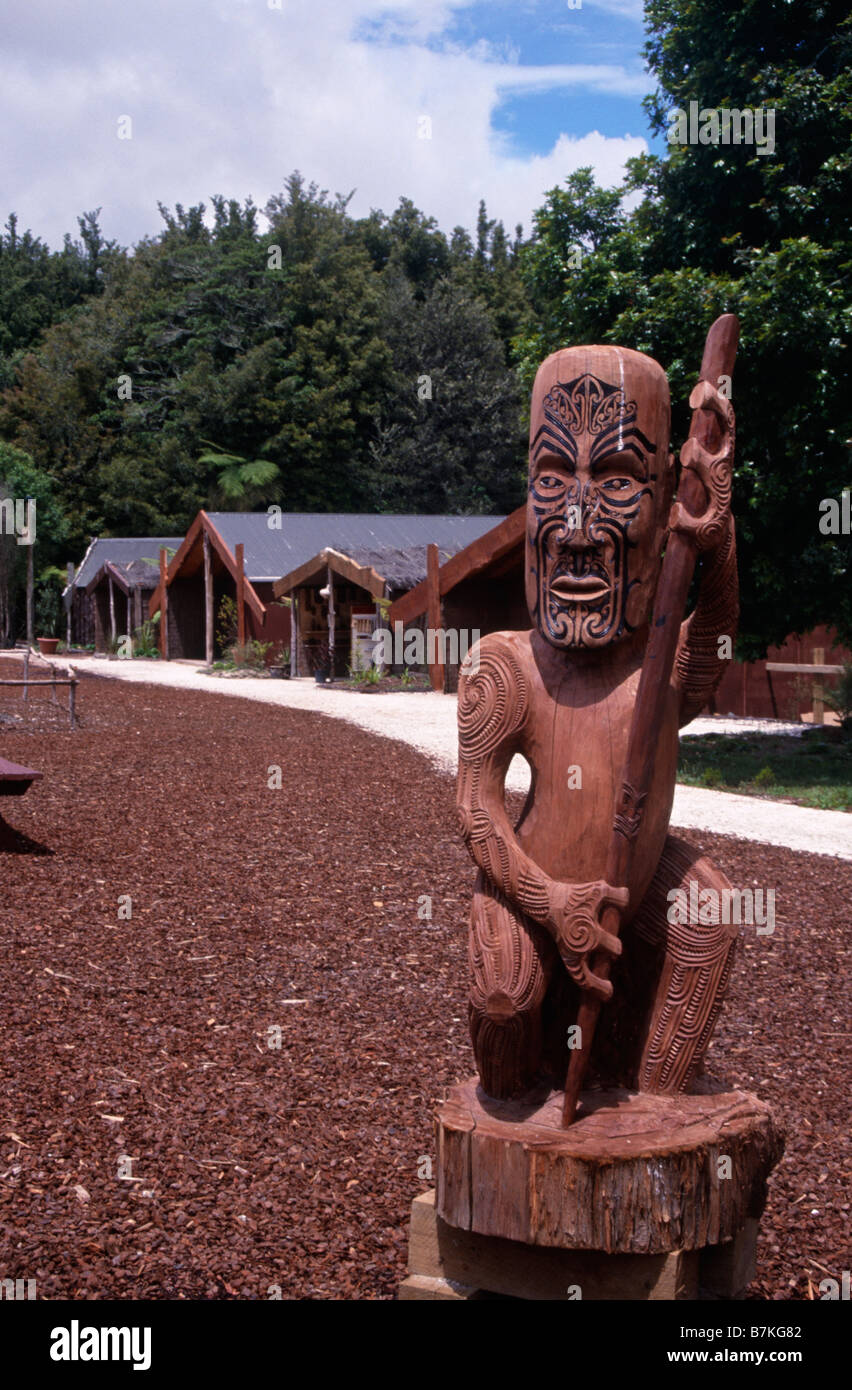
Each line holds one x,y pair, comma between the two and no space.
678,567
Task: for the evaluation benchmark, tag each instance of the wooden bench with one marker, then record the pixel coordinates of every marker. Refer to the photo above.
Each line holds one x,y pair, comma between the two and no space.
14,779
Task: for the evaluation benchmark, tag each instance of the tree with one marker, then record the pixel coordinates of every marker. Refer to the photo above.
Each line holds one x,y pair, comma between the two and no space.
39,287
245,481
448,436
20,479
724,228
271,343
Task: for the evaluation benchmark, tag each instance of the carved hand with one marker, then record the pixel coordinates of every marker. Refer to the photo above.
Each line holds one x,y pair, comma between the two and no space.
709,530
579,933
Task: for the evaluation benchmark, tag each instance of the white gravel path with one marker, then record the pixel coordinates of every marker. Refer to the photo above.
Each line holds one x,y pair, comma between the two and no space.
428,722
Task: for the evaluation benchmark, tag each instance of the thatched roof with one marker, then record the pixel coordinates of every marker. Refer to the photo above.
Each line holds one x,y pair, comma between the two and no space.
400,568
130,575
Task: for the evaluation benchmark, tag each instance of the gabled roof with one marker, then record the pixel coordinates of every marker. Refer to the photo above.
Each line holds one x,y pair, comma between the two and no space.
276,544
135,574
502,543
120,550
189,558
364,576
375,570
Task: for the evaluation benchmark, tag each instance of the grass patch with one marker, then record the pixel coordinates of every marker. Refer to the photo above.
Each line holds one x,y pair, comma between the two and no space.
812,770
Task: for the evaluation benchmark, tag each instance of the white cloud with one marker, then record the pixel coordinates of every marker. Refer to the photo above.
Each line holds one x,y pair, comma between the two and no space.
628,9
230,96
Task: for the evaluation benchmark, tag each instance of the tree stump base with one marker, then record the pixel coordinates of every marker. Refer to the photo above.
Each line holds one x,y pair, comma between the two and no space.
642,1197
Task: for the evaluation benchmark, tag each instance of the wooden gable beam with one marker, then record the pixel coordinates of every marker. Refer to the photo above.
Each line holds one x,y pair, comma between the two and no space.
200,526
477,556
364,576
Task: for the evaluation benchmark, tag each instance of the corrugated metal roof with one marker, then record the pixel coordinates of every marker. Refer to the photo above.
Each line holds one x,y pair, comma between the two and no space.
271,553
121,550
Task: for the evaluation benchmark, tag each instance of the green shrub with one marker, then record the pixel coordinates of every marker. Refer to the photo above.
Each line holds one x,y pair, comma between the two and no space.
226,623
251,654
145,638
765,777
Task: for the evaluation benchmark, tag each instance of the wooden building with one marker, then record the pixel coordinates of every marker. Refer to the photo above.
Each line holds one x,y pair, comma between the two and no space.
480,588
82,594
119,595
338,601
222,555
257,558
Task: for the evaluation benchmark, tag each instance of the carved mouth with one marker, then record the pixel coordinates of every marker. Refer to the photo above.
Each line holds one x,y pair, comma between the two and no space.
572,588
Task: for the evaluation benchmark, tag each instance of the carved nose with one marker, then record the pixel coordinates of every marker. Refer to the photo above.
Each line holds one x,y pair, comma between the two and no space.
577,539
571,536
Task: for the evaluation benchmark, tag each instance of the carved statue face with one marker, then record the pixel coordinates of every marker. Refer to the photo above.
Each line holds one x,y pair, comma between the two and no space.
600,484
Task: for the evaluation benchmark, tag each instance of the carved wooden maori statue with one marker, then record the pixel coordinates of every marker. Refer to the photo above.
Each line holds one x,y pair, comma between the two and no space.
549,920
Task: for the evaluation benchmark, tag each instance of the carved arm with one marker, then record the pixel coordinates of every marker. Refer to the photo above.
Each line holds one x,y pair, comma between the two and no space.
493,708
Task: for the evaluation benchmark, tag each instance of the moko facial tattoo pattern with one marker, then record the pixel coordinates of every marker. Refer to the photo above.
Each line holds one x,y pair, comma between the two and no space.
590,470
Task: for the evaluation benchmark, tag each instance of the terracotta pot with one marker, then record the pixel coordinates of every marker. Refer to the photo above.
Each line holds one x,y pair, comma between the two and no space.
47,645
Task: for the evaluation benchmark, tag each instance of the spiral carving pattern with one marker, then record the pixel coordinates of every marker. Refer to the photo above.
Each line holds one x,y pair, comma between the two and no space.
578,934
492,704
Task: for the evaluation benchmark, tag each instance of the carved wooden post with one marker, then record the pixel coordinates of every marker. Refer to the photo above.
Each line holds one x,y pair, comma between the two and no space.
164,605
241,594
330,583
112,627
70,586
818,659
30,581
208,601
433,616
294,633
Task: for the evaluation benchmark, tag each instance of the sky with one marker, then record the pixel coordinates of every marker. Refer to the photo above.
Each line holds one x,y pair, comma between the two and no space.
441,101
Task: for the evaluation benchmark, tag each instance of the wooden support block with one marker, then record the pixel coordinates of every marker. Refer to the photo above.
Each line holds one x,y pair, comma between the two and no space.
420,1288
439,1251
724,1271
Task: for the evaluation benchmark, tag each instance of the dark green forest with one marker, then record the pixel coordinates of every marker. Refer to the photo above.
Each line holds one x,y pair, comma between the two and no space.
299,355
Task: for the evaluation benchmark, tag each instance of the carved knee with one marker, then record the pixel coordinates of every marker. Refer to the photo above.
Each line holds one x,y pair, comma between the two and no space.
696,968
510,970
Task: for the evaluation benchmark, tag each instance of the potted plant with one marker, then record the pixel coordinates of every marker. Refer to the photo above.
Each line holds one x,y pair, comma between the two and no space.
322,663
48,608
280,667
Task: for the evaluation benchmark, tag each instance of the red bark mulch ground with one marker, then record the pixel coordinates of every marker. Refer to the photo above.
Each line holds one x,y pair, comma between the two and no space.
253,909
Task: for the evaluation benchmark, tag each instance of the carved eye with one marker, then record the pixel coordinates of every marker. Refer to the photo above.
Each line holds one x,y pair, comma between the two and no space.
548,482
616,484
